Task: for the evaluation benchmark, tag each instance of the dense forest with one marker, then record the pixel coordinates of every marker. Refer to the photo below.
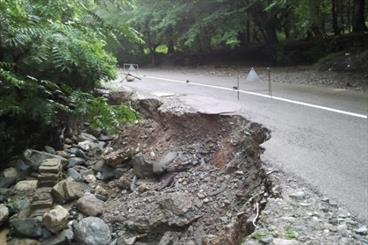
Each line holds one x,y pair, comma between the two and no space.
208,26
53,53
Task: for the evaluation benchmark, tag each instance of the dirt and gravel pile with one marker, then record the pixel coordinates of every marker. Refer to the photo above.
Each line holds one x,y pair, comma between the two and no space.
197,180
171,178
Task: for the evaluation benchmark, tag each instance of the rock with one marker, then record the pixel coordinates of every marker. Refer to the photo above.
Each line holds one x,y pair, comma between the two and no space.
17,241
6,182
362,230
342,228
146,106
107,173
178,202
19,204
21,167
42,200
129,78
68,190
299,195
29,227
4,214
162,164
92,231
142,168
88,145
90,178
35,158
26,186
116,157
267,240
50,172
168,238
86,136
77,152
101,193
50,149
278,241
10,173
75,161
56,219
89,205
124,182
74,174
63,238
119,97
103,137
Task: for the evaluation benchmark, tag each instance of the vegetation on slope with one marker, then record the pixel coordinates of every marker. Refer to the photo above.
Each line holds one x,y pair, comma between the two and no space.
51,51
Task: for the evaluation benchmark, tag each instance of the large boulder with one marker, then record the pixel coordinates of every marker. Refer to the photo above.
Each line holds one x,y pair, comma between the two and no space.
90,205
56,219
92,231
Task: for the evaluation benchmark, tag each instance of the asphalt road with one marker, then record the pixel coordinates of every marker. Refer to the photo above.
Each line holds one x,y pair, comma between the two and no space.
328,149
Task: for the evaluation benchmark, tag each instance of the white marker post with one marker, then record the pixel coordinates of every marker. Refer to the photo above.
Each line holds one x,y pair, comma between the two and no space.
269,81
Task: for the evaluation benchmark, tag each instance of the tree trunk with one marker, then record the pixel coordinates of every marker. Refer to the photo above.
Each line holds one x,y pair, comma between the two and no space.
334,18
248,32
170,46
358,17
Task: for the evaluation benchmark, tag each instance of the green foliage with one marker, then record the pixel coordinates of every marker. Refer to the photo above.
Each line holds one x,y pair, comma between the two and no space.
259,235
48,50
47,40
290,234
194,26
99,114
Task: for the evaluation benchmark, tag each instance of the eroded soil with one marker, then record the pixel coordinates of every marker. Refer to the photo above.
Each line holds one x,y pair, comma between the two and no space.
208,185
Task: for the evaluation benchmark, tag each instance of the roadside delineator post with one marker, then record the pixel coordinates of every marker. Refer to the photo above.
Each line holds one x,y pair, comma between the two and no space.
238,92
269,81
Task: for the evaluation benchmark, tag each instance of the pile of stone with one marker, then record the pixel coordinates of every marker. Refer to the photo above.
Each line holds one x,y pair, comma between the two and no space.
48,195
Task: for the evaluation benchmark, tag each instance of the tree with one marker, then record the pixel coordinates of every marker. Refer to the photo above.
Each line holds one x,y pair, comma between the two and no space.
359,17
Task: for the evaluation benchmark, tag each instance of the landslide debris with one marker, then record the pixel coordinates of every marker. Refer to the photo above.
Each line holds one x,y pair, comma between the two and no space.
172,178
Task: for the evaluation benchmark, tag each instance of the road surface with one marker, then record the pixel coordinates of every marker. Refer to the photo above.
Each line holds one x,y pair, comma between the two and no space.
318,134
